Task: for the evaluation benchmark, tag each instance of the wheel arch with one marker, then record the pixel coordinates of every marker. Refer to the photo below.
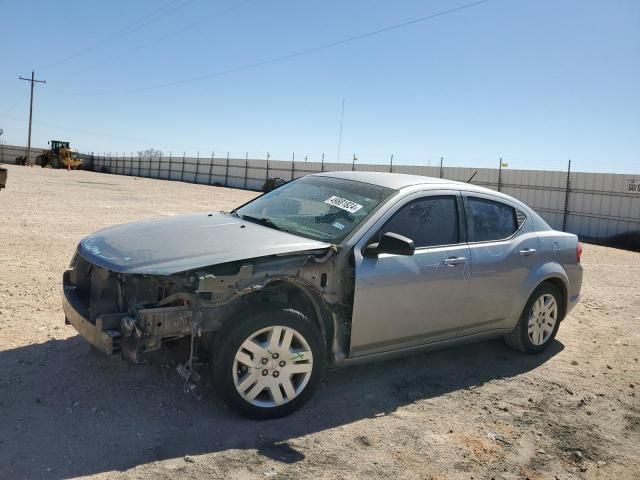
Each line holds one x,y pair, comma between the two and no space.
550,273
562,287
294,294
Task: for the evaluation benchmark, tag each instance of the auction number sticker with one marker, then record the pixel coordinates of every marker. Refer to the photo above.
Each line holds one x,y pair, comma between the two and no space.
343,204
633,186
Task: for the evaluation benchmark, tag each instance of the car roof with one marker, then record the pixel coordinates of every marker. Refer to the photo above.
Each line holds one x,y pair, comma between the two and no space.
395,181
399,181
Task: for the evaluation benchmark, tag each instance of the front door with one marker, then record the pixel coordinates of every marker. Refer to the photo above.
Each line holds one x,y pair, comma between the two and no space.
403,301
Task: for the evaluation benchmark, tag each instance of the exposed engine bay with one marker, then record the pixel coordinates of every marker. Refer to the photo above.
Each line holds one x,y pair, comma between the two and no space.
129,314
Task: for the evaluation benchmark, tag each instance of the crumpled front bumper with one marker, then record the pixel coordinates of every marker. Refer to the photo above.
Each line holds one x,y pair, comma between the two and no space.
130,333
77,315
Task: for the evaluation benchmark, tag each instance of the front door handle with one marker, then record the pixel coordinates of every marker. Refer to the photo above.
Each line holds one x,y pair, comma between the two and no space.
527,251
453,261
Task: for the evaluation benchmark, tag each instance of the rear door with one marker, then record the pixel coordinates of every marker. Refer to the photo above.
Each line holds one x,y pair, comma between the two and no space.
403,301
503,250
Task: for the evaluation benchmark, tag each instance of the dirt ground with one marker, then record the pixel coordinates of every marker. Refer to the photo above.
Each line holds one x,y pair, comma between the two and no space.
478,411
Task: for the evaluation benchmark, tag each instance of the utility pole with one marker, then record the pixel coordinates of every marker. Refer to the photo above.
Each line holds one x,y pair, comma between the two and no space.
32,80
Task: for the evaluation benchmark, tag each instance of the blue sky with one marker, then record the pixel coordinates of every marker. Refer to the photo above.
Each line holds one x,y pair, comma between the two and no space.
534,81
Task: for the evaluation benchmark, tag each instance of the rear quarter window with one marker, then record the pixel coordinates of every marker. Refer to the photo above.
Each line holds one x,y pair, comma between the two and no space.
490,220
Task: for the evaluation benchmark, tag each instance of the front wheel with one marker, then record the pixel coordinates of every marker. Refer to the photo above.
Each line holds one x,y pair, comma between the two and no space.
539,321
269,364
55,162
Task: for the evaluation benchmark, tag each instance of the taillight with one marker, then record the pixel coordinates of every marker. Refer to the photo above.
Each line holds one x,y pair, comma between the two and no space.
578,252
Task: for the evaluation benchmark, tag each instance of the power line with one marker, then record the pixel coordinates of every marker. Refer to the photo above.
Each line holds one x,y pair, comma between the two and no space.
128,29
295,54
184,29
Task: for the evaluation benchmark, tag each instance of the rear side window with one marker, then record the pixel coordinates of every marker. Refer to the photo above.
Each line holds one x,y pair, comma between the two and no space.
428,222
488,220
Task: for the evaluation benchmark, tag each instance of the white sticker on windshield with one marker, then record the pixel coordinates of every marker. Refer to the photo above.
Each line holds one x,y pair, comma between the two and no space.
338,225
343,204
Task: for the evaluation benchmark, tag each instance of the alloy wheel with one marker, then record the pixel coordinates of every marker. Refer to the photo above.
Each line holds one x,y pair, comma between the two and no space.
542,319
272,366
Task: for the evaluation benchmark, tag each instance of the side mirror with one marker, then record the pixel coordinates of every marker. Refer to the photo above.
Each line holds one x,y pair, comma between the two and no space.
391,243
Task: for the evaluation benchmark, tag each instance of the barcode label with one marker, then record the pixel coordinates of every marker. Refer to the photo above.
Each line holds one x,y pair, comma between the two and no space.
343,204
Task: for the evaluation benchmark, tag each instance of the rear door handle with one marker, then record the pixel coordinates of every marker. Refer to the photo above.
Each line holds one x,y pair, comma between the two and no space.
527,251
453,261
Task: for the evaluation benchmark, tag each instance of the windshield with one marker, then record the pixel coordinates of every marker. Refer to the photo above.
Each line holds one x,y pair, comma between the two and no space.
322,208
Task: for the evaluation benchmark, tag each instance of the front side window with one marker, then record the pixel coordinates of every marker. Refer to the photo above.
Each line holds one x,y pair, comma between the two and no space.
429,221
488,220
317,207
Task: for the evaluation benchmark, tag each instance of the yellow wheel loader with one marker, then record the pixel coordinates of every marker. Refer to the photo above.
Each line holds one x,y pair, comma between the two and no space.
59,156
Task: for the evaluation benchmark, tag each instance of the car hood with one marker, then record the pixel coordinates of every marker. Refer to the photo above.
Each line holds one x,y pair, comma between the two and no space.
177,244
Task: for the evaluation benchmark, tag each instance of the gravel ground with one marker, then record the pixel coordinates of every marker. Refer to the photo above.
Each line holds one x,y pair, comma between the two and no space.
479,411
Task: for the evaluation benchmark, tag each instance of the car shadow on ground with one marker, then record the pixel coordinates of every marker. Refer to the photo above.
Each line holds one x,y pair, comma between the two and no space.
66,411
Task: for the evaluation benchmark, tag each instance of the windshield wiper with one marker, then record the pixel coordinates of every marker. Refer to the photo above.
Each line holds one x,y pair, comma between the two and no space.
264,221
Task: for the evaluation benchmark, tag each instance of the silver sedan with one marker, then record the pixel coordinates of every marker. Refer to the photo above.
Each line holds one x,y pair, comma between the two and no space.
327,270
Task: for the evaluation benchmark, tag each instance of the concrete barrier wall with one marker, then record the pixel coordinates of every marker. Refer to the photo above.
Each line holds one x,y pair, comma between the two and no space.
592,205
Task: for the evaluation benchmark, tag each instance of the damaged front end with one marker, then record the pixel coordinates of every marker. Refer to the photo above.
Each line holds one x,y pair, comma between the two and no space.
129,314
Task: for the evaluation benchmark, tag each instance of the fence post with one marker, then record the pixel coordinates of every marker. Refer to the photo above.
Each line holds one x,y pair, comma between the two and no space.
391,164
322,163
353,164
293,165
195,179
500,175
566,198
267,166
441,171
159,166
170,165
226,171
246,168
213,154
182,171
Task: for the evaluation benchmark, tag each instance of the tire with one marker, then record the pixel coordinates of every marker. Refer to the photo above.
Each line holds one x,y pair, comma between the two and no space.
258,371
55,162
538,325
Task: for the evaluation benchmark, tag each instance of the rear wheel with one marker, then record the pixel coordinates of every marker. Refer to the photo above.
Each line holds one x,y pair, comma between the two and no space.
539,321
269,364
